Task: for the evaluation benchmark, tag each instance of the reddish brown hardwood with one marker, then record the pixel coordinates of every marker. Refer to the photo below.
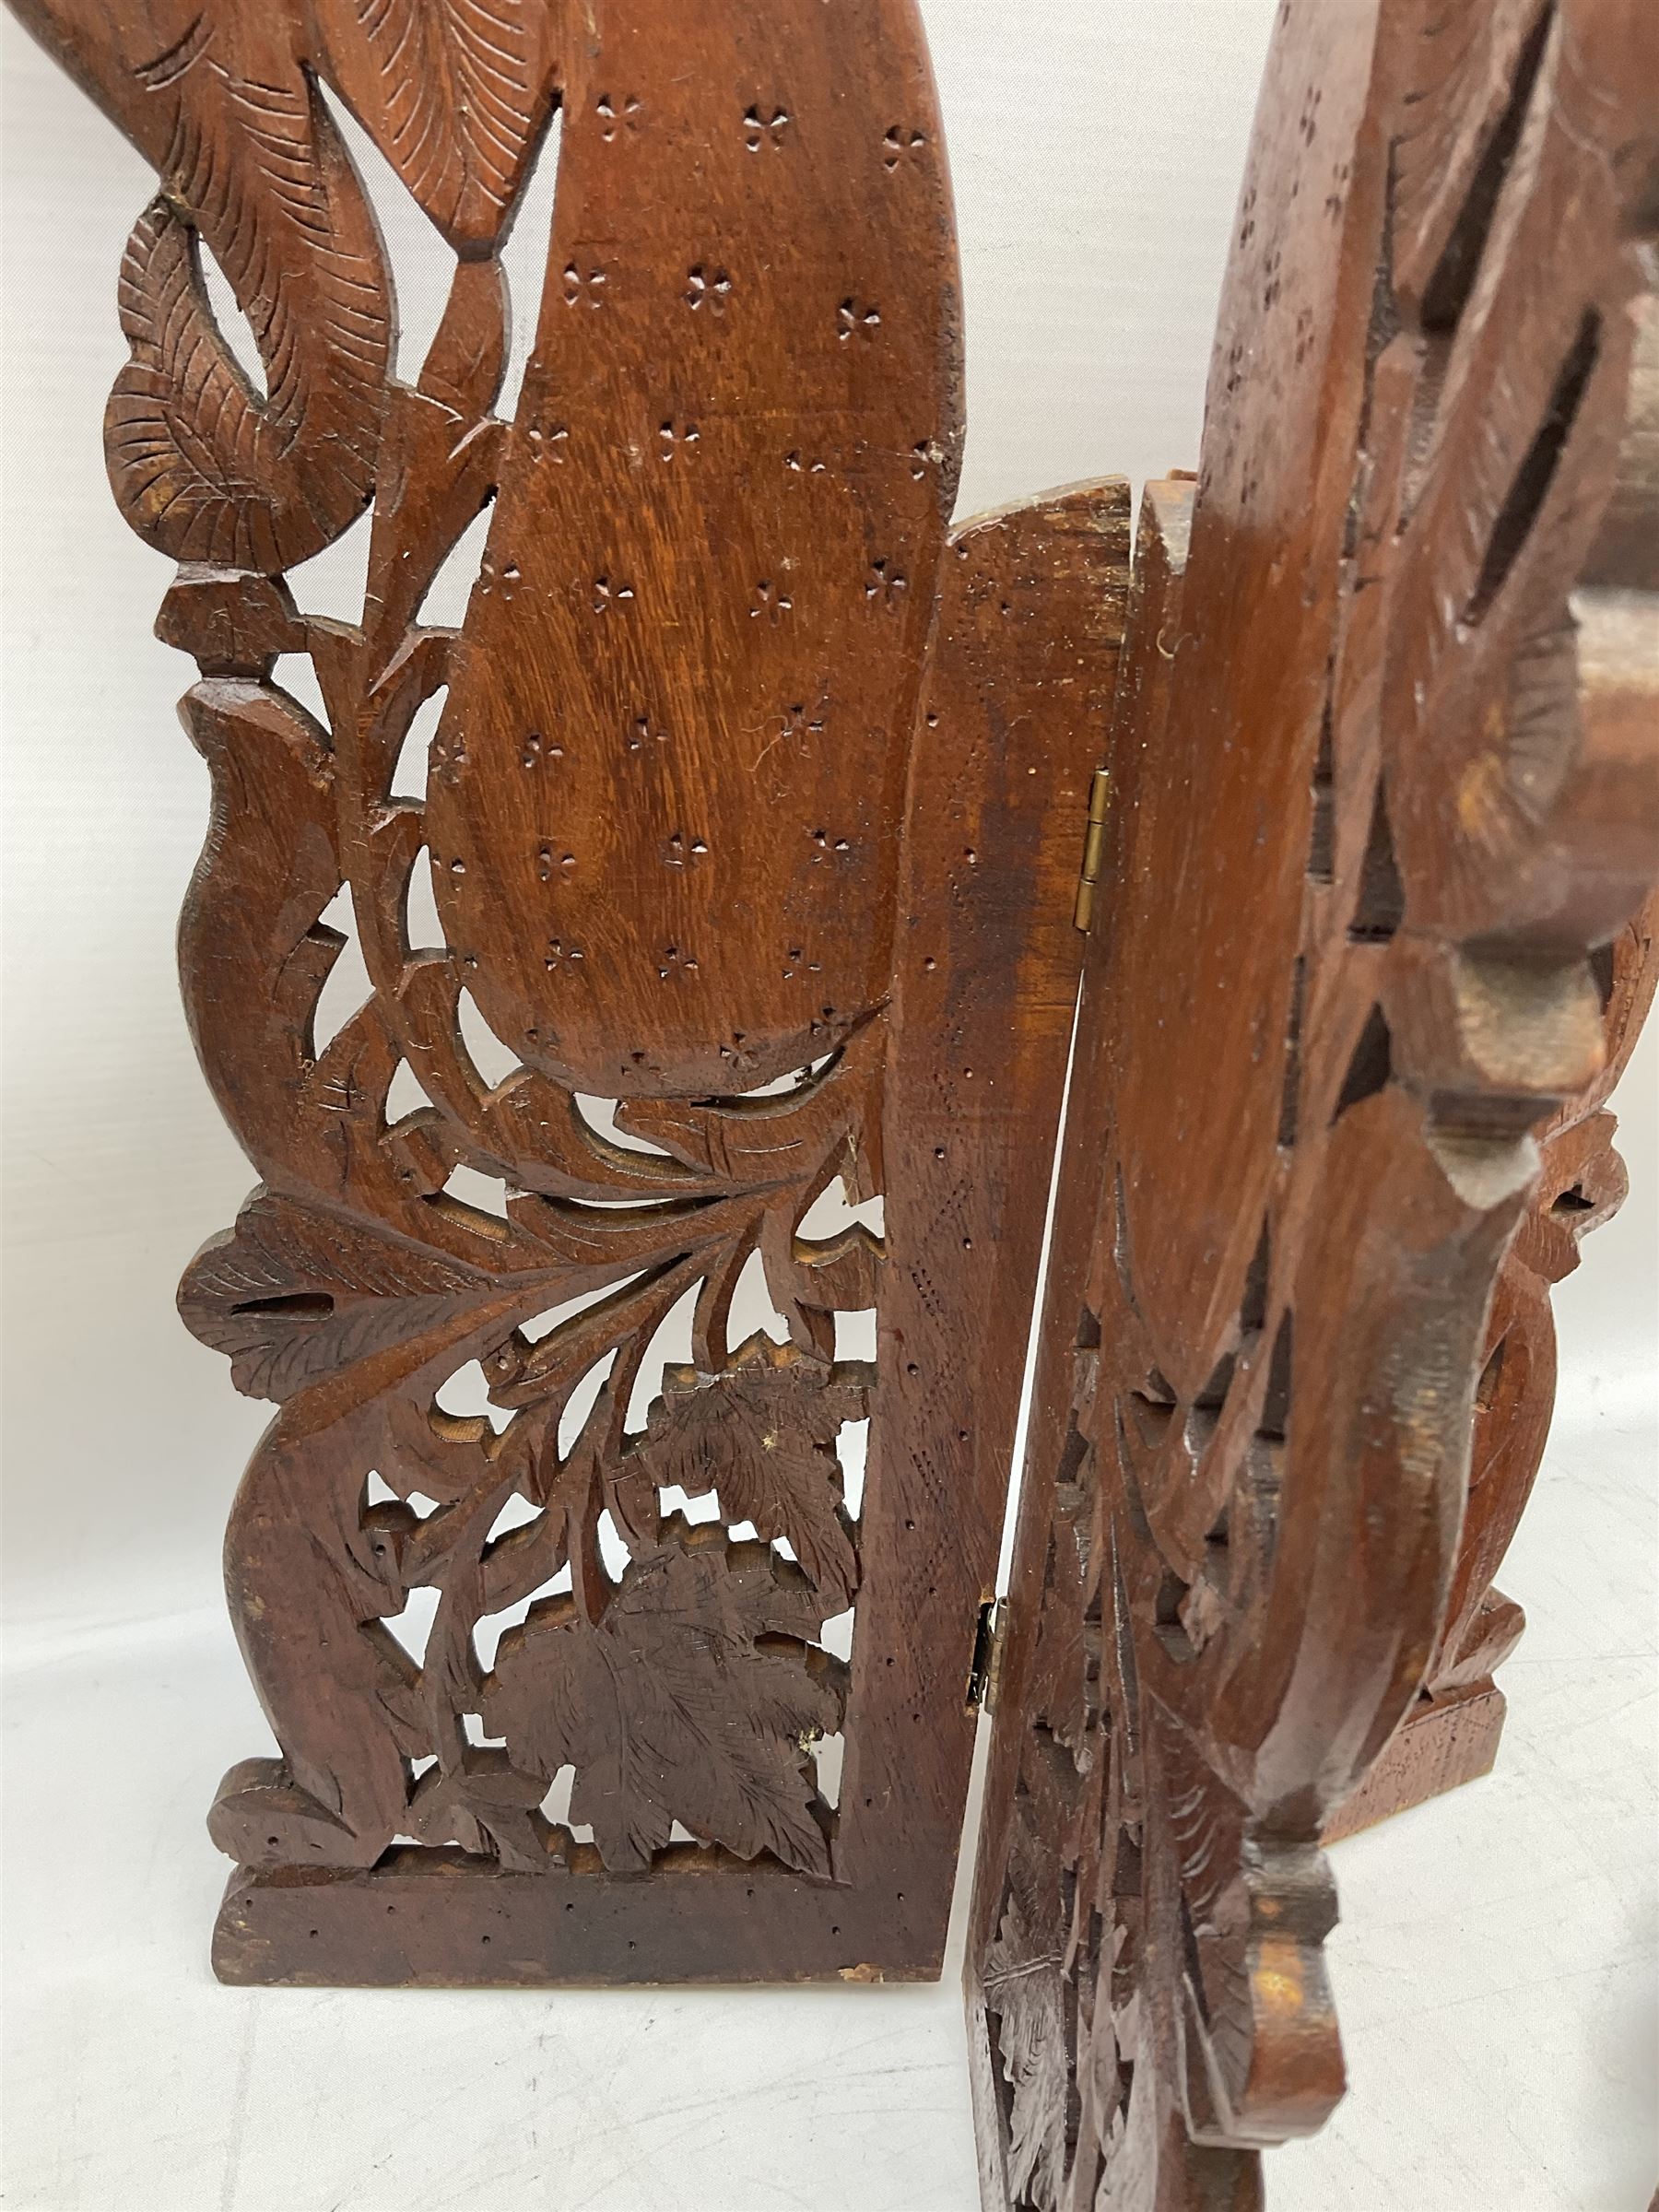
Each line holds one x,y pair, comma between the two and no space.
1386,770
1451,1735
714,882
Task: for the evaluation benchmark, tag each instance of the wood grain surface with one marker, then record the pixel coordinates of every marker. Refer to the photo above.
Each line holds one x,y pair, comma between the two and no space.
711,882
1385,767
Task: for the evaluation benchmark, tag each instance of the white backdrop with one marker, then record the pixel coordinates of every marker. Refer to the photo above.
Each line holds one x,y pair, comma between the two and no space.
1495,1964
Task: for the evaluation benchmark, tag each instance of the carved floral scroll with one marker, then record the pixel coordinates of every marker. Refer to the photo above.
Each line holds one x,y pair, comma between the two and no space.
710,884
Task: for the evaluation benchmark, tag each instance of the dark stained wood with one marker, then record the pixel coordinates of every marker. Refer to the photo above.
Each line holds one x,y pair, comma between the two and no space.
711,564
1386,776
1003,760
1452,1733
749,797
1444,1742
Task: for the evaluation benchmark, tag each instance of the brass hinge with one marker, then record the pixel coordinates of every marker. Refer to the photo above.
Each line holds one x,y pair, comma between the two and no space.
984,1675
1094,849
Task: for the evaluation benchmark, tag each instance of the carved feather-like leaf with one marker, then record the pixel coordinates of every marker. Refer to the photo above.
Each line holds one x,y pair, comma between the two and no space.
182,375
1023,1990
670,1709
448,90
292,1294
1066,1670
203,468
762,1433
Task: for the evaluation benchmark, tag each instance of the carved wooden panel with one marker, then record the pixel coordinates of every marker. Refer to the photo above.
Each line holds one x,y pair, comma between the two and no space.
1385,768
1451,1734
713,882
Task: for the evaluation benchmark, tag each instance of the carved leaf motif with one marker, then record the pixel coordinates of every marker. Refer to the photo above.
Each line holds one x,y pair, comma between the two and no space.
762,1433
182,377
670,1709
488,1806
1066,1667
291,1294
448,90
203,468
1023,1989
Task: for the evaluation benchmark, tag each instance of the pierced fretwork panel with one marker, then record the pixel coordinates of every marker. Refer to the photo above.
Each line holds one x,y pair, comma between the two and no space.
1385,766
641,1240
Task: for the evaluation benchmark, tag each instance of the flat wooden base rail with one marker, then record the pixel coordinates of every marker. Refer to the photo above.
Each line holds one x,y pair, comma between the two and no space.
723,885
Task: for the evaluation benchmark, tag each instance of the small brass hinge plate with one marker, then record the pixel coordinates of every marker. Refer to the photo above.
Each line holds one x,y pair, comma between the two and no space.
987,1656
1094,849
